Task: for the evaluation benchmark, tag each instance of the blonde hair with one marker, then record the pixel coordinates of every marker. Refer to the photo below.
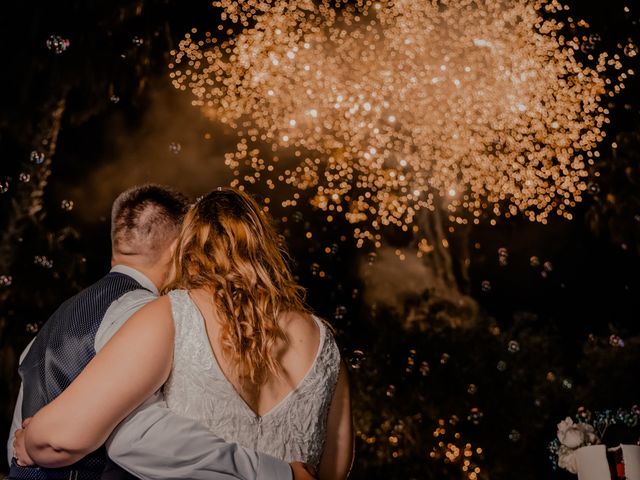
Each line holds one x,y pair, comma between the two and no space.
227,244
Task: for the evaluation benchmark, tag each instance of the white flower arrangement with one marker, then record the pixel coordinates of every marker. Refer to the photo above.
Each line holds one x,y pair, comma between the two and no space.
572,436
588,429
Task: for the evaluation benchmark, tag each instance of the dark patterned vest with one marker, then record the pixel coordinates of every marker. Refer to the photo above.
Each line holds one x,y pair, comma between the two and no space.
63,348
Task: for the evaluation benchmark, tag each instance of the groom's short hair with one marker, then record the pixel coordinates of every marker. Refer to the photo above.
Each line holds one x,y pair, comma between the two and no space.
145,220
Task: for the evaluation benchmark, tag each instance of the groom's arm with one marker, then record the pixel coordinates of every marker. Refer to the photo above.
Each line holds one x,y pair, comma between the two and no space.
155,443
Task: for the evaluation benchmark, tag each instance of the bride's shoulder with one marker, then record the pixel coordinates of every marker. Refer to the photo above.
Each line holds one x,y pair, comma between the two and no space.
301,331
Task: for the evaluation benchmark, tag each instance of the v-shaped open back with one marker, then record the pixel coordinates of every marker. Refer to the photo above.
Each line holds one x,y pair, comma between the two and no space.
199,389
216,363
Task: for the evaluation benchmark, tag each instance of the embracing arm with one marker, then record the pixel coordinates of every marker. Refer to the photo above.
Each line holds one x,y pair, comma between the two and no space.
154,443
338,450
131,367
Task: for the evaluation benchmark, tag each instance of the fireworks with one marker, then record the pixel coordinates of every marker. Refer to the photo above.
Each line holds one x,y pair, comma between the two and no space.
382,109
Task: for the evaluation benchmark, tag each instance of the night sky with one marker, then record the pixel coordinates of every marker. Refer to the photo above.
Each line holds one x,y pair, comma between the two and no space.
543,319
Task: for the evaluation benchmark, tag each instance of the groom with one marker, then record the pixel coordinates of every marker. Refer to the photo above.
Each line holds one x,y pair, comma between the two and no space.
152,443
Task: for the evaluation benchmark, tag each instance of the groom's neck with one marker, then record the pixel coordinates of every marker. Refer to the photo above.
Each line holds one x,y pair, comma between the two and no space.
157,273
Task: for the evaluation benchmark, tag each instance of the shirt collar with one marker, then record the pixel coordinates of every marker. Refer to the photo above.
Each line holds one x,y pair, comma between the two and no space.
137,275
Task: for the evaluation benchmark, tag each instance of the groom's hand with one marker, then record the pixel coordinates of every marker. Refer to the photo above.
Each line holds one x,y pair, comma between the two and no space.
19,449
302,471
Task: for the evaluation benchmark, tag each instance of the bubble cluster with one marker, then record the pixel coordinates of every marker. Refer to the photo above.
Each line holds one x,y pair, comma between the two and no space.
382,109
57,44
43,261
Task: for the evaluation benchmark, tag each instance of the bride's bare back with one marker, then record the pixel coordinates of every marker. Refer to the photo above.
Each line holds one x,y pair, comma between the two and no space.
289,416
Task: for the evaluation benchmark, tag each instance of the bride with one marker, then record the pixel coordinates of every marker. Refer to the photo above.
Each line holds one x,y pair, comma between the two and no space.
231,342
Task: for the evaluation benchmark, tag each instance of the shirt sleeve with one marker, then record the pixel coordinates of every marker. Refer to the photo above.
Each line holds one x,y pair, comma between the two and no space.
119,312
16,422
154,443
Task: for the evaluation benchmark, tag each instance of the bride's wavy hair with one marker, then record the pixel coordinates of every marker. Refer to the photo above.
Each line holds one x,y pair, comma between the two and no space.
228,245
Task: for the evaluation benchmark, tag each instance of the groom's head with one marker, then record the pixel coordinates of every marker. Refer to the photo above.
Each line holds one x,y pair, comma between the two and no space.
145,221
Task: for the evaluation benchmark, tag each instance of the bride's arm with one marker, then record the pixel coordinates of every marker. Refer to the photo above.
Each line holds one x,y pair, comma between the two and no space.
338,450
132,366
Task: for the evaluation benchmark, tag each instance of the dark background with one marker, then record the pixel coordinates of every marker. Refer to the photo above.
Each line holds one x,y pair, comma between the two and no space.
418,361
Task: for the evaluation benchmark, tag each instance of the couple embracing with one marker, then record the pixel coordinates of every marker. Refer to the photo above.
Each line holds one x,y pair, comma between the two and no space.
226,375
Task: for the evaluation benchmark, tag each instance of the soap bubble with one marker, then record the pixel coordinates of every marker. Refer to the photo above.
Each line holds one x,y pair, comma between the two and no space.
24,177
32,327
534,261
584,414
175,148
501,366
4,186
5,280
67,205
513,346
340,312
630,50
514,436
567,384
114,98
391,391
356,359
57,44
472,389
475,415
486,286
137,41
503,257
37,157
616,341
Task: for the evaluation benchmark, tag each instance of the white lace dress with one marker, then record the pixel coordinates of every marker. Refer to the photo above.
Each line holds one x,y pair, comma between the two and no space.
294,430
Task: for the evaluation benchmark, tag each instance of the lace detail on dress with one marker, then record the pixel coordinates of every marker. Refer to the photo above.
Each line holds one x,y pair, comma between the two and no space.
294,430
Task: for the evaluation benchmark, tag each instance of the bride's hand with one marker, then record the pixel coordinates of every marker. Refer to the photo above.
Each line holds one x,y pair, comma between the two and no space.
302,471
19,449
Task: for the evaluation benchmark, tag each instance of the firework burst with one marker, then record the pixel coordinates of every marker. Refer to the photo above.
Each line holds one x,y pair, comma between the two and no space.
382,109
